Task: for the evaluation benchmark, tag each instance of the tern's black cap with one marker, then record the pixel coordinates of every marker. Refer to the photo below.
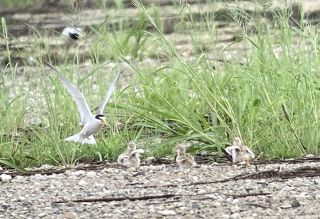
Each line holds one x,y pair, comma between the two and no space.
99,116
74,36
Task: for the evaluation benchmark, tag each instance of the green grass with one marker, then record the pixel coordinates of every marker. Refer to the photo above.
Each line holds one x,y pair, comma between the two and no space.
268,98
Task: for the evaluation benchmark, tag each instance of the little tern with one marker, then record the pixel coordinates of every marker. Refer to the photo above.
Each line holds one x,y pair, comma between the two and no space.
91,123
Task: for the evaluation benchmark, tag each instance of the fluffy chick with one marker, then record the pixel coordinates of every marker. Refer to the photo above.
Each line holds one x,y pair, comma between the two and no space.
183,159
124,158
131,159
239,153
134,160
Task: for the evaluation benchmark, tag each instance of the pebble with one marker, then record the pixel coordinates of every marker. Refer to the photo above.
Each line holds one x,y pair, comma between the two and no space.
78,173
235,216
234,208
82,182
295,204
43,214
167,212
70,215
5,177
286,206
91,174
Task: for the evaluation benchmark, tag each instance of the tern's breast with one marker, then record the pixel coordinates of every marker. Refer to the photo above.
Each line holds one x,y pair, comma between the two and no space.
91,127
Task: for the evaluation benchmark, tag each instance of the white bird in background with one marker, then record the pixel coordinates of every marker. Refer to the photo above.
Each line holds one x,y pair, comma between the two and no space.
183,159
72,33
131,158
239,153
91,123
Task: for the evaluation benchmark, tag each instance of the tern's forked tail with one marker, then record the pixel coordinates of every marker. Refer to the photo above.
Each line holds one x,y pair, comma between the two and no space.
77,138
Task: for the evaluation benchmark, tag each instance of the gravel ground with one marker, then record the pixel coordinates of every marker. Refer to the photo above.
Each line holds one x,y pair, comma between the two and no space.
194,194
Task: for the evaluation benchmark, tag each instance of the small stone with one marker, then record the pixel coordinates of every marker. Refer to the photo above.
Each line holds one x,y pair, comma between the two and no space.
78,173
70,215
43,214
234,208
263,183
5,178
309,156
82,182
286,206
235,201
249,187
167,212
91,174
195,205
46,167
235,216
295,203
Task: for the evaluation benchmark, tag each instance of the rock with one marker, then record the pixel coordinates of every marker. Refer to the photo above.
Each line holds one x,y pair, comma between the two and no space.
235,216
286,206
82,182
91,174
295,203
70,215
5,177
262,183
167,212
195,205
235,208
309,156
78,173
43,214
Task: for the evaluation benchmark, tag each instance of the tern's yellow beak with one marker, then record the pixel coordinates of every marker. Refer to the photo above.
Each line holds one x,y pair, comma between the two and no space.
104,121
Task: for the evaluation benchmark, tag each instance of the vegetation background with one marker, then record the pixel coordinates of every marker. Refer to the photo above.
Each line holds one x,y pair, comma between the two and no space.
200,71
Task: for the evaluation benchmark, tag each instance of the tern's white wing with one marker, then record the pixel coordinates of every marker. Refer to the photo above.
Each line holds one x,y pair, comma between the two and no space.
77,96
108,95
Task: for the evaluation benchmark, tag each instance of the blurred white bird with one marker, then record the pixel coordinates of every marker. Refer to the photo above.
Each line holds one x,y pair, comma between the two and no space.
91,123
183,159
72,33
239,153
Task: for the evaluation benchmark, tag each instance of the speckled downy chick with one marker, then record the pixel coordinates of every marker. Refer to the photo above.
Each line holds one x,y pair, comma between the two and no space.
183,159
238,153
134,159
131,159
123,158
